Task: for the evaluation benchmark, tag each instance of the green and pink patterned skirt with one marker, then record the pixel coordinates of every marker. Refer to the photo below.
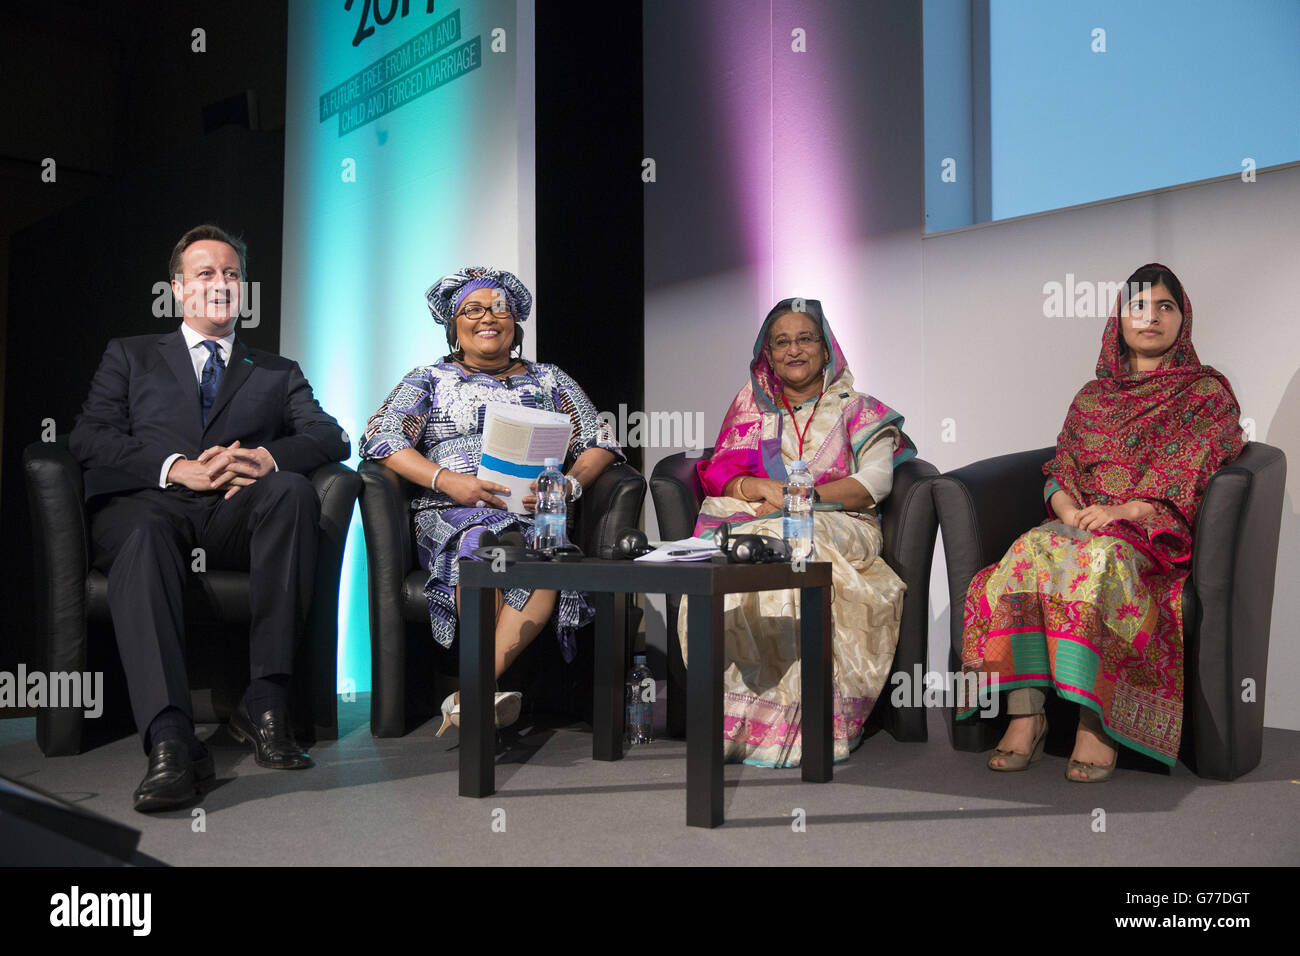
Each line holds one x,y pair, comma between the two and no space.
1089,616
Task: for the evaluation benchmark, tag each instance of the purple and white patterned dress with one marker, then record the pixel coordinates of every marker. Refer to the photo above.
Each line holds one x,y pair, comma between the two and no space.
438,410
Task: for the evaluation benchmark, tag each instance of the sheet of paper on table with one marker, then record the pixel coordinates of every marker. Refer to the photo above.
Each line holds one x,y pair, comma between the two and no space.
687,549
517,440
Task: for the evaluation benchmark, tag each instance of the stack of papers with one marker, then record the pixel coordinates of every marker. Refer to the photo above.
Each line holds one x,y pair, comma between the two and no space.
687,549
517,440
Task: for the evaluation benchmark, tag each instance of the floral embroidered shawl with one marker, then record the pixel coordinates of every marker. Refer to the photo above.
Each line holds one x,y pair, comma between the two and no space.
749,442
1157,435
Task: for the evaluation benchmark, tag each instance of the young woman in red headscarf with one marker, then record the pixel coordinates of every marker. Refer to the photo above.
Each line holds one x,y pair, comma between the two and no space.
1089,604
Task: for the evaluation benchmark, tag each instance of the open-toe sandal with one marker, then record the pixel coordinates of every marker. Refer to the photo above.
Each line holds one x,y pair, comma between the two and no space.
1017,761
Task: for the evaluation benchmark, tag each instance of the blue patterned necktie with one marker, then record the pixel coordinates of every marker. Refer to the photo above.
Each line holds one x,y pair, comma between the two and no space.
213,371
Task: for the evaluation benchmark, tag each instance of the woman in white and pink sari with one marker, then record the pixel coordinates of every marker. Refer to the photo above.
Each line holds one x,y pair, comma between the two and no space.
800,403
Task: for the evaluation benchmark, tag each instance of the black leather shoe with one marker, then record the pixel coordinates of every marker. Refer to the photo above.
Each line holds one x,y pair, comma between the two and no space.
272,744
173,779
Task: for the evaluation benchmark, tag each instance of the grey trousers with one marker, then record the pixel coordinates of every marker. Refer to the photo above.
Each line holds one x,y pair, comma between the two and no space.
1024,701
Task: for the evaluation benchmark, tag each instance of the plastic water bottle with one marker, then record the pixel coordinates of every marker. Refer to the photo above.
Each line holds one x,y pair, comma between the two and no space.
548,523
640,711
797,516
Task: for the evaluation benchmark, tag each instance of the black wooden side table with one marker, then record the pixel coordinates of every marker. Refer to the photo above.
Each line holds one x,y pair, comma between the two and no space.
608,583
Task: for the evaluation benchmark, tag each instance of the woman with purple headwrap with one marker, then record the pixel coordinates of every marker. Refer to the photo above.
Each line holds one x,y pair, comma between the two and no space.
430,431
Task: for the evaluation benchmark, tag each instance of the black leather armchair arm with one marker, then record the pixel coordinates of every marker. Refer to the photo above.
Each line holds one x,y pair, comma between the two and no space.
386,518
908,521
316,665
982,508
908,524
989,503
1234,564
612,503
677,493
60,541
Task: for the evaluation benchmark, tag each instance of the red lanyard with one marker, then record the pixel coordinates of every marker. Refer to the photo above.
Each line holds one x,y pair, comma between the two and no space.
807,425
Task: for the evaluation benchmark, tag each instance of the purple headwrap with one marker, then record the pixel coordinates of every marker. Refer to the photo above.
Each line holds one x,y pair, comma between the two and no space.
444,296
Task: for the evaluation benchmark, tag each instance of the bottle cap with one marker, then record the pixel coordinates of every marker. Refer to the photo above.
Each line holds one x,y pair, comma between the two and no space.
796,465
638,658
550,463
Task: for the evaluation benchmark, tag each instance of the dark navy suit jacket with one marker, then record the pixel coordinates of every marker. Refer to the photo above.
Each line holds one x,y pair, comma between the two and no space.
144,407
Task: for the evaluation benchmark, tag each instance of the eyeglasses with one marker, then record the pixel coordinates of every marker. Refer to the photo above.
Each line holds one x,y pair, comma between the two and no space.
804,341
474,311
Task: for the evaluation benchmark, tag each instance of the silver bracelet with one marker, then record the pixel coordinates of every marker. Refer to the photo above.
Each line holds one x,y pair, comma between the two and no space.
575,487
433,482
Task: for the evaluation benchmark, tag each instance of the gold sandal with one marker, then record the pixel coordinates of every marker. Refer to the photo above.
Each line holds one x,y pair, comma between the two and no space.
1092,773
506,705
1018,761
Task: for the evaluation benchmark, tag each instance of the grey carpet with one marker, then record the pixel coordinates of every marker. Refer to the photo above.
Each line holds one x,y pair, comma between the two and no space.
394,802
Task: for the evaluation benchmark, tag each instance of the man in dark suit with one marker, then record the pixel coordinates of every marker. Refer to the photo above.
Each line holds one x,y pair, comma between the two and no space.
193,440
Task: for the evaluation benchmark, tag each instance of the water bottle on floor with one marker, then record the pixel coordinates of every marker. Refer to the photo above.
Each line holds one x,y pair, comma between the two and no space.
548,522
640,710
797,515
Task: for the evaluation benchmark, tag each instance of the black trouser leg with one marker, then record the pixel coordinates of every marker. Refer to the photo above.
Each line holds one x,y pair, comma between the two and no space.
142,542
269,528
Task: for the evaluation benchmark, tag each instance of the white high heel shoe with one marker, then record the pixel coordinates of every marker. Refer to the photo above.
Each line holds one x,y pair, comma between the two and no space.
506,705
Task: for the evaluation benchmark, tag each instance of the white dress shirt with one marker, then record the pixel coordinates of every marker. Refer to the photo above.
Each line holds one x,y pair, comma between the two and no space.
876,466
199,358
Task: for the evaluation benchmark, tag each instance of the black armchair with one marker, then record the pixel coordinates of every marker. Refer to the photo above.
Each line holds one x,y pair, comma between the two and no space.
1227,599
908,524
399,611
75,627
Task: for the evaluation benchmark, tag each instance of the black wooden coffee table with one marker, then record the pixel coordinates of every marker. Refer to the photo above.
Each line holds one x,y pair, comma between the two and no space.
607,584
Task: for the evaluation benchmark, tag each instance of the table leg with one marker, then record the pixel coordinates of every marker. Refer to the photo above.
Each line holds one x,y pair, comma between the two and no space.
610,675
815,637
477,692
676,672
705,644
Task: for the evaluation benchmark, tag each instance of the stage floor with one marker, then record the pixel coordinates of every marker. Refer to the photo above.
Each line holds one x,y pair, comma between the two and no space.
394,802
